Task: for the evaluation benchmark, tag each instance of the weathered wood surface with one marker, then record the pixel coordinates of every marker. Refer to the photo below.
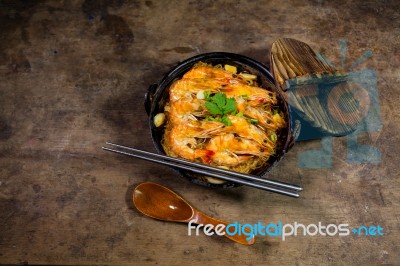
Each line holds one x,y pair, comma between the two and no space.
73,76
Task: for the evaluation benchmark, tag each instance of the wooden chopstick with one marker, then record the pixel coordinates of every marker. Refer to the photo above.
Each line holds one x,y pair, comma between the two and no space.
248,180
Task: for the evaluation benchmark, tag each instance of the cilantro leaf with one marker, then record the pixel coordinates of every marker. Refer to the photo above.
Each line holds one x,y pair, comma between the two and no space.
219,99
213,108
230,106
226,120
220,106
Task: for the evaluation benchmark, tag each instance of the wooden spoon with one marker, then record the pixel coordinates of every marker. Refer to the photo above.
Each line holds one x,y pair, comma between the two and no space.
161,203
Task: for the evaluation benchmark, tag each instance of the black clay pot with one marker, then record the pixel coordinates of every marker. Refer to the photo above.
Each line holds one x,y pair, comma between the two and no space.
158,94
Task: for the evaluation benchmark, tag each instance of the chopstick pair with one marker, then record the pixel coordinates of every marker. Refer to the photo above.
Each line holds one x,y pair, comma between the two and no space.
243,179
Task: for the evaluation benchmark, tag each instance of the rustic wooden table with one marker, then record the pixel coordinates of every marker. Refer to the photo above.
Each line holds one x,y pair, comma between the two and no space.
73,76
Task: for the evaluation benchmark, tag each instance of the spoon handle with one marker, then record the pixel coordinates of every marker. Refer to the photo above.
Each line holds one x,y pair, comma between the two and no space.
201,218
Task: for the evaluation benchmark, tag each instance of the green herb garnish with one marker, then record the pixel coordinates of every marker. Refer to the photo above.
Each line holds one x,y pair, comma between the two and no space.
207,95
221,119
220,106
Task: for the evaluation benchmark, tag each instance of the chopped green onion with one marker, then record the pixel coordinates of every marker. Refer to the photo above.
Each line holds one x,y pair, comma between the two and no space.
253,121
273,137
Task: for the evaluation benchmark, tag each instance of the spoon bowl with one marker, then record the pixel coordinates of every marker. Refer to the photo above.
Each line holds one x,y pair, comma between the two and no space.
159,202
